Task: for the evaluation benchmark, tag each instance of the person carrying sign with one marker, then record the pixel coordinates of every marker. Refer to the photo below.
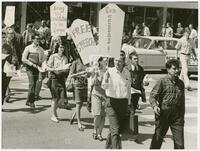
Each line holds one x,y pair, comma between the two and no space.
117,84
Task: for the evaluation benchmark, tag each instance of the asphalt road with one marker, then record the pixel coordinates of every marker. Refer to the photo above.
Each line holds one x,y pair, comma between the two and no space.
23,128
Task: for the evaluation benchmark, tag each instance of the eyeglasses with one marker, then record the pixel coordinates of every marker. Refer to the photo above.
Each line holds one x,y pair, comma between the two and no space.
135,58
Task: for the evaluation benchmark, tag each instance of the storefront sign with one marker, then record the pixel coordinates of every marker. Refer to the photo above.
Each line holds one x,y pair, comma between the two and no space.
80,32
58,13
9,19
111,21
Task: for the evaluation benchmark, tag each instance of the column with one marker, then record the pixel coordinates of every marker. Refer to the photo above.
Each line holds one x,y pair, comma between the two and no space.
23,16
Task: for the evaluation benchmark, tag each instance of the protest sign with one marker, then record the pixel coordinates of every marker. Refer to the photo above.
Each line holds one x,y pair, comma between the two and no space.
81,34
111,21
9,19
58,13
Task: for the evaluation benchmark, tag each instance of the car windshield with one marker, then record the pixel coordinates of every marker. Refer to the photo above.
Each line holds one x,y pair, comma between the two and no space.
140,42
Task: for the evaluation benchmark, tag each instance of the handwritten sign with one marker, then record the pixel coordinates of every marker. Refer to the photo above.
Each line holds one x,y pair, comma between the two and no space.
81,34
9,19
58,13
111,21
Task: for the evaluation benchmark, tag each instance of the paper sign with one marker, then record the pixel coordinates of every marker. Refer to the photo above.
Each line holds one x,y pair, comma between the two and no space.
81,34
58,13
111,21
9,19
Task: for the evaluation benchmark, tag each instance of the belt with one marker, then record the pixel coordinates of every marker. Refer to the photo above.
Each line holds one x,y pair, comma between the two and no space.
185,54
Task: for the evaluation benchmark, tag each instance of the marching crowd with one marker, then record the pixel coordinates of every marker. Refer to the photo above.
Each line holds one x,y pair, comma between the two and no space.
112,86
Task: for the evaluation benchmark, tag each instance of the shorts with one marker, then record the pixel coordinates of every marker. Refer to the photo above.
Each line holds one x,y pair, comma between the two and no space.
80,95
97,105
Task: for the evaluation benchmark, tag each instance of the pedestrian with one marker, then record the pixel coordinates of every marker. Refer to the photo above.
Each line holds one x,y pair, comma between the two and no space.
117,84
184,48
33,57
137,77
193,33
163,30
137,31
179,31
167,99
98,98
6,56
146,31
59,66
27,34
79,74
169,30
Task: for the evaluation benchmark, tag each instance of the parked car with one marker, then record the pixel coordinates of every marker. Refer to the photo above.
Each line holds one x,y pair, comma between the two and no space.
154,51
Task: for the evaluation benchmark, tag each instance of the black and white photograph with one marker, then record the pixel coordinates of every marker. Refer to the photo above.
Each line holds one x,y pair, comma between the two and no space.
99,75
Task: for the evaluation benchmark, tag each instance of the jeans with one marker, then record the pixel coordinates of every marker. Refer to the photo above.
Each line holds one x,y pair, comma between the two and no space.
41,76
116,110
32,74
5,84
173,119
134,100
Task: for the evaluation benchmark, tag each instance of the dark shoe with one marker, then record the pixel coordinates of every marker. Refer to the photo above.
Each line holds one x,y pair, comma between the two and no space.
37,98
189,89
81,129
28,103
100,138
94,135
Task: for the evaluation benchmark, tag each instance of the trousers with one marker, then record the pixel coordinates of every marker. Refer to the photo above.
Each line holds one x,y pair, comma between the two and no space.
169,118
116,110
5,84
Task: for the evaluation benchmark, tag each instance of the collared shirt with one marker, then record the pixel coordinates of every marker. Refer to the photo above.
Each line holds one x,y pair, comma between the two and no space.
193,34
169,32
119,84
35,50
168,93
184,45
146,31
55,61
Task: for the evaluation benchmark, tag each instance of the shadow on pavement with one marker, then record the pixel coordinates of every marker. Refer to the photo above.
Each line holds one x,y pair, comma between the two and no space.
29,110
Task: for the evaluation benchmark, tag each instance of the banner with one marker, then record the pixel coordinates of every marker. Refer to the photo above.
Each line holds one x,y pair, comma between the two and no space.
81,34
111,21
9,19
58,14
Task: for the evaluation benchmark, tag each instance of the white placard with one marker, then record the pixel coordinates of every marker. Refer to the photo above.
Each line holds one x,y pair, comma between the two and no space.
81,34
9,19
111,21
58,14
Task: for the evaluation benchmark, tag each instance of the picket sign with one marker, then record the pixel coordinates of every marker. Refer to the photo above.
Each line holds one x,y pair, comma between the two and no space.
111,21
58,17
81,34
9,19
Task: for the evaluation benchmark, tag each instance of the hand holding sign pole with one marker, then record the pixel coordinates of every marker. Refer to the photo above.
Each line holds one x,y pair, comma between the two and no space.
111,21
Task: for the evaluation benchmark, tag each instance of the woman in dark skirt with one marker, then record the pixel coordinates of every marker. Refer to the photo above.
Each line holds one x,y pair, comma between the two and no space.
78,72
58,65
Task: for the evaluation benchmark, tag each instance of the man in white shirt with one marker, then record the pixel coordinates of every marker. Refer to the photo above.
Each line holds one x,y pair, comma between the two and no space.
169,31
146,31
193,32
117,83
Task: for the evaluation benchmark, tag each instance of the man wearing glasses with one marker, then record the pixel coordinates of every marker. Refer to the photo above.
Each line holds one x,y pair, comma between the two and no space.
33,57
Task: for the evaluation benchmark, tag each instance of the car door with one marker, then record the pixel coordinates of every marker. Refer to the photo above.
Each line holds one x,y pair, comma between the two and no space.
170,50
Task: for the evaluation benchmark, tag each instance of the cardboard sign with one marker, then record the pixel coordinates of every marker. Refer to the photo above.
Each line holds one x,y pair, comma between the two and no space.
81,34
9,19
58,13
111,21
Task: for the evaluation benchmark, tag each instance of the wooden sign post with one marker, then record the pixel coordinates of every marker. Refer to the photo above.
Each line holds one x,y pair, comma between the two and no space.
58,13
111,21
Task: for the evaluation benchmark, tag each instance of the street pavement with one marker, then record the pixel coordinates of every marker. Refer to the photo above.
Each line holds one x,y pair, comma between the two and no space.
23,128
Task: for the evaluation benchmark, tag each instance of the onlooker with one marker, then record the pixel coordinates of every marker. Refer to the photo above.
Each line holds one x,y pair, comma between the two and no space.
146,31
33,57
167,99
179,31
117,83
163,30
193,33
169,30
56,64
137,31
98,98
185,49
27,34
44,31
137,77
79,74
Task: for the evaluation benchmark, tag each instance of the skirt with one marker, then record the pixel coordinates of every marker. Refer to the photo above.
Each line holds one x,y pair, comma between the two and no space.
80,95
97,105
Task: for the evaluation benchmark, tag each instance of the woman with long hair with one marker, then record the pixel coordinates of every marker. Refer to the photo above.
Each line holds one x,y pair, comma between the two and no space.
58,65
